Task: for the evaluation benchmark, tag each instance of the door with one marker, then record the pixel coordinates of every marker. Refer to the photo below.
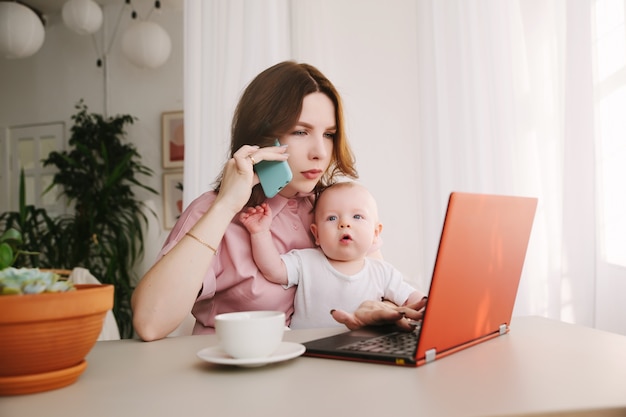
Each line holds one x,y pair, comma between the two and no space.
27,147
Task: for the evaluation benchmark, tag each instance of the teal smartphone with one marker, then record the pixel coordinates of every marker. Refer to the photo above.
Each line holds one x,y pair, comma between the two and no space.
274,175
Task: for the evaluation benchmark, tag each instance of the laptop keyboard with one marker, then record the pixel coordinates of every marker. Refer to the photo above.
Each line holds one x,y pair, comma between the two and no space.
397,343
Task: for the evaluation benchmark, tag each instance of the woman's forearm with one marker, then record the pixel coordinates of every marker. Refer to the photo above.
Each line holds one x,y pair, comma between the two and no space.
166,294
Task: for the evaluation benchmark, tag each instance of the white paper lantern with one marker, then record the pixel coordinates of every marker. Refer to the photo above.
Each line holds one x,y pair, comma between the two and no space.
82,16
21,31
146,44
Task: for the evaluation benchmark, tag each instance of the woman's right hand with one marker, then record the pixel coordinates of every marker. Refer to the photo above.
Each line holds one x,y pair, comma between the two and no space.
239,177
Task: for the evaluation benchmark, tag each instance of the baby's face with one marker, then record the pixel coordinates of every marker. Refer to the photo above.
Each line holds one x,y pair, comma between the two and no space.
346,222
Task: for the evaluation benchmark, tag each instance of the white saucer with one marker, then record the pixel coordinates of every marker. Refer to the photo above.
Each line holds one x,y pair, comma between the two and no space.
286,351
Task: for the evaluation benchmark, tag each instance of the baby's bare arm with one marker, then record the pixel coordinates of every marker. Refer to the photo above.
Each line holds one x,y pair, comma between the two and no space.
258,221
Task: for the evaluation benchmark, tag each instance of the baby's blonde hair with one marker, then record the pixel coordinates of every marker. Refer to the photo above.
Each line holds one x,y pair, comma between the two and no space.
346,184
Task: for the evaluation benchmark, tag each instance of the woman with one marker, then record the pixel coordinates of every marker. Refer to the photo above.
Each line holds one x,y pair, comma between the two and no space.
206,264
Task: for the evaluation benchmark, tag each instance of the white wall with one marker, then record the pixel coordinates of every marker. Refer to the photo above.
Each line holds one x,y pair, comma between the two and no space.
45,87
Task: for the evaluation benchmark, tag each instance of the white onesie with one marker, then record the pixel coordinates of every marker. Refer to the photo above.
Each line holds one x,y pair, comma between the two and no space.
322,288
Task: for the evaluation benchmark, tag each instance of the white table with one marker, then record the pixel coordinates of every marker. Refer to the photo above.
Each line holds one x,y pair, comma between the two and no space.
541,367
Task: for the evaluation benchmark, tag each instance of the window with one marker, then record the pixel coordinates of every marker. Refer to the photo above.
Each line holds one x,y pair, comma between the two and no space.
609,46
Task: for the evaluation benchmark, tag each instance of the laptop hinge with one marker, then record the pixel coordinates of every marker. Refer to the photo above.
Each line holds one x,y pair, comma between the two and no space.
430,355
503,328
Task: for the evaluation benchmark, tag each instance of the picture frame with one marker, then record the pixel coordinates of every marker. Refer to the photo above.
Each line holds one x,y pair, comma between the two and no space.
172,198
173,139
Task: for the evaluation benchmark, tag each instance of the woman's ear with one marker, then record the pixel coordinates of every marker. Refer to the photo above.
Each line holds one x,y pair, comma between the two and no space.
314,232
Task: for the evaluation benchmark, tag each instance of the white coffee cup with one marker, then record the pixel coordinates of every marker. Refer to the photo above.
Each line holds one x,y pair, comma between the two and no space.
250,334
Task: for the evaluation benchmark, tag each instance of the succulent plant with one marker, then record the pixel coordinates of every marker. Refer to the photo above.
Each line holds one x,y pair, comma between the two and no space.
24,280
31,281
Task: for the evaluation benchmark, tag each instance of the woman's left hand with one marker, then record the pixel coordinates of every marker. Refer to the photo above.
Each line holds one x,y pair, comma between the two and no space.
372,313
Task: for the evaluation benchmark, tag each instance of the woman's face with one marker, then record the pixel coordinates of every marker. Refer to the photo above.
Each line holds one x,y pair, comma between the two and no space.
310,144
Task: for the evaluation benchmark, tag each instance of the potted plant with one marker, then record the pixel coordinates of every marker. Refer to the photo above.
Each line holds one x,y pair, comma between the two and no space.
17,281
47,324
104,234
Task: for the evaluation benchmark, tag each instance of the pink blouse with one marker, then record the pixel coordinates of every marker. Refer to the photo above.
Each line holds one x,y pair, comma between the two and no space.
233,282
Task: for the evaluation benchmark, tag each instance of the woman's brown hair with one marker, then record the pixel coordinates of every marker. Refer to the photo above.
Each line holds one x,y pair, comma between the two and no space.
271,105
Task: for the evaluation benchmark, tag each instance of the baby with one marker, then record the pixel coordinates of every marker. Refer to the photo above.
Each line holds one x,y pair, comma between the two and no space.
338,274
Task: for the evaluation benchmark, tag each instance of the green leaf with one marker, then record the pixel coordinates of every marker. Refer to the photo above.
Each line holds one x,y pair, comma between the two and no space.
6,255
11,234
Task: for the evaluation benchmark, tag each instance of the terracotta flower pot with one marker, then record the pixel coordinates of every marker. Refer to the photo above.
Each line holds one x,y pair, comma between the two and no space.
44,338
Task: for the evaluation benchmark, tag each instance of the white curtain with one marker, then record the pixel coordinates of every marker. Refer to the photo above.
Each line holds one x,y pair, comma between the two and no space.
507,107
441,95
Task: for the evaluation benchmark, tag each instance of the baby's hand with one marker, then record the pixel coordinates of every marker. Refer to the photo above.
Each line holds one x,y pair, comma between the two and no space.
257,219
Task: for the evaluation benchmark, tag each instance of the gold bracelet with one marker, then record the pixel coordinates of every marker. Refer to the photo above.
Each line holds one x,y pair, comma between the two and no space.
202,242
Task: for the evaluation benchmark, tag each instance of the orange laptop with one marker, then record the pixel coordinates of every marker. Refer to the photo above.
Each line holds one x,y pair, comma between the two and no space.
472,291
